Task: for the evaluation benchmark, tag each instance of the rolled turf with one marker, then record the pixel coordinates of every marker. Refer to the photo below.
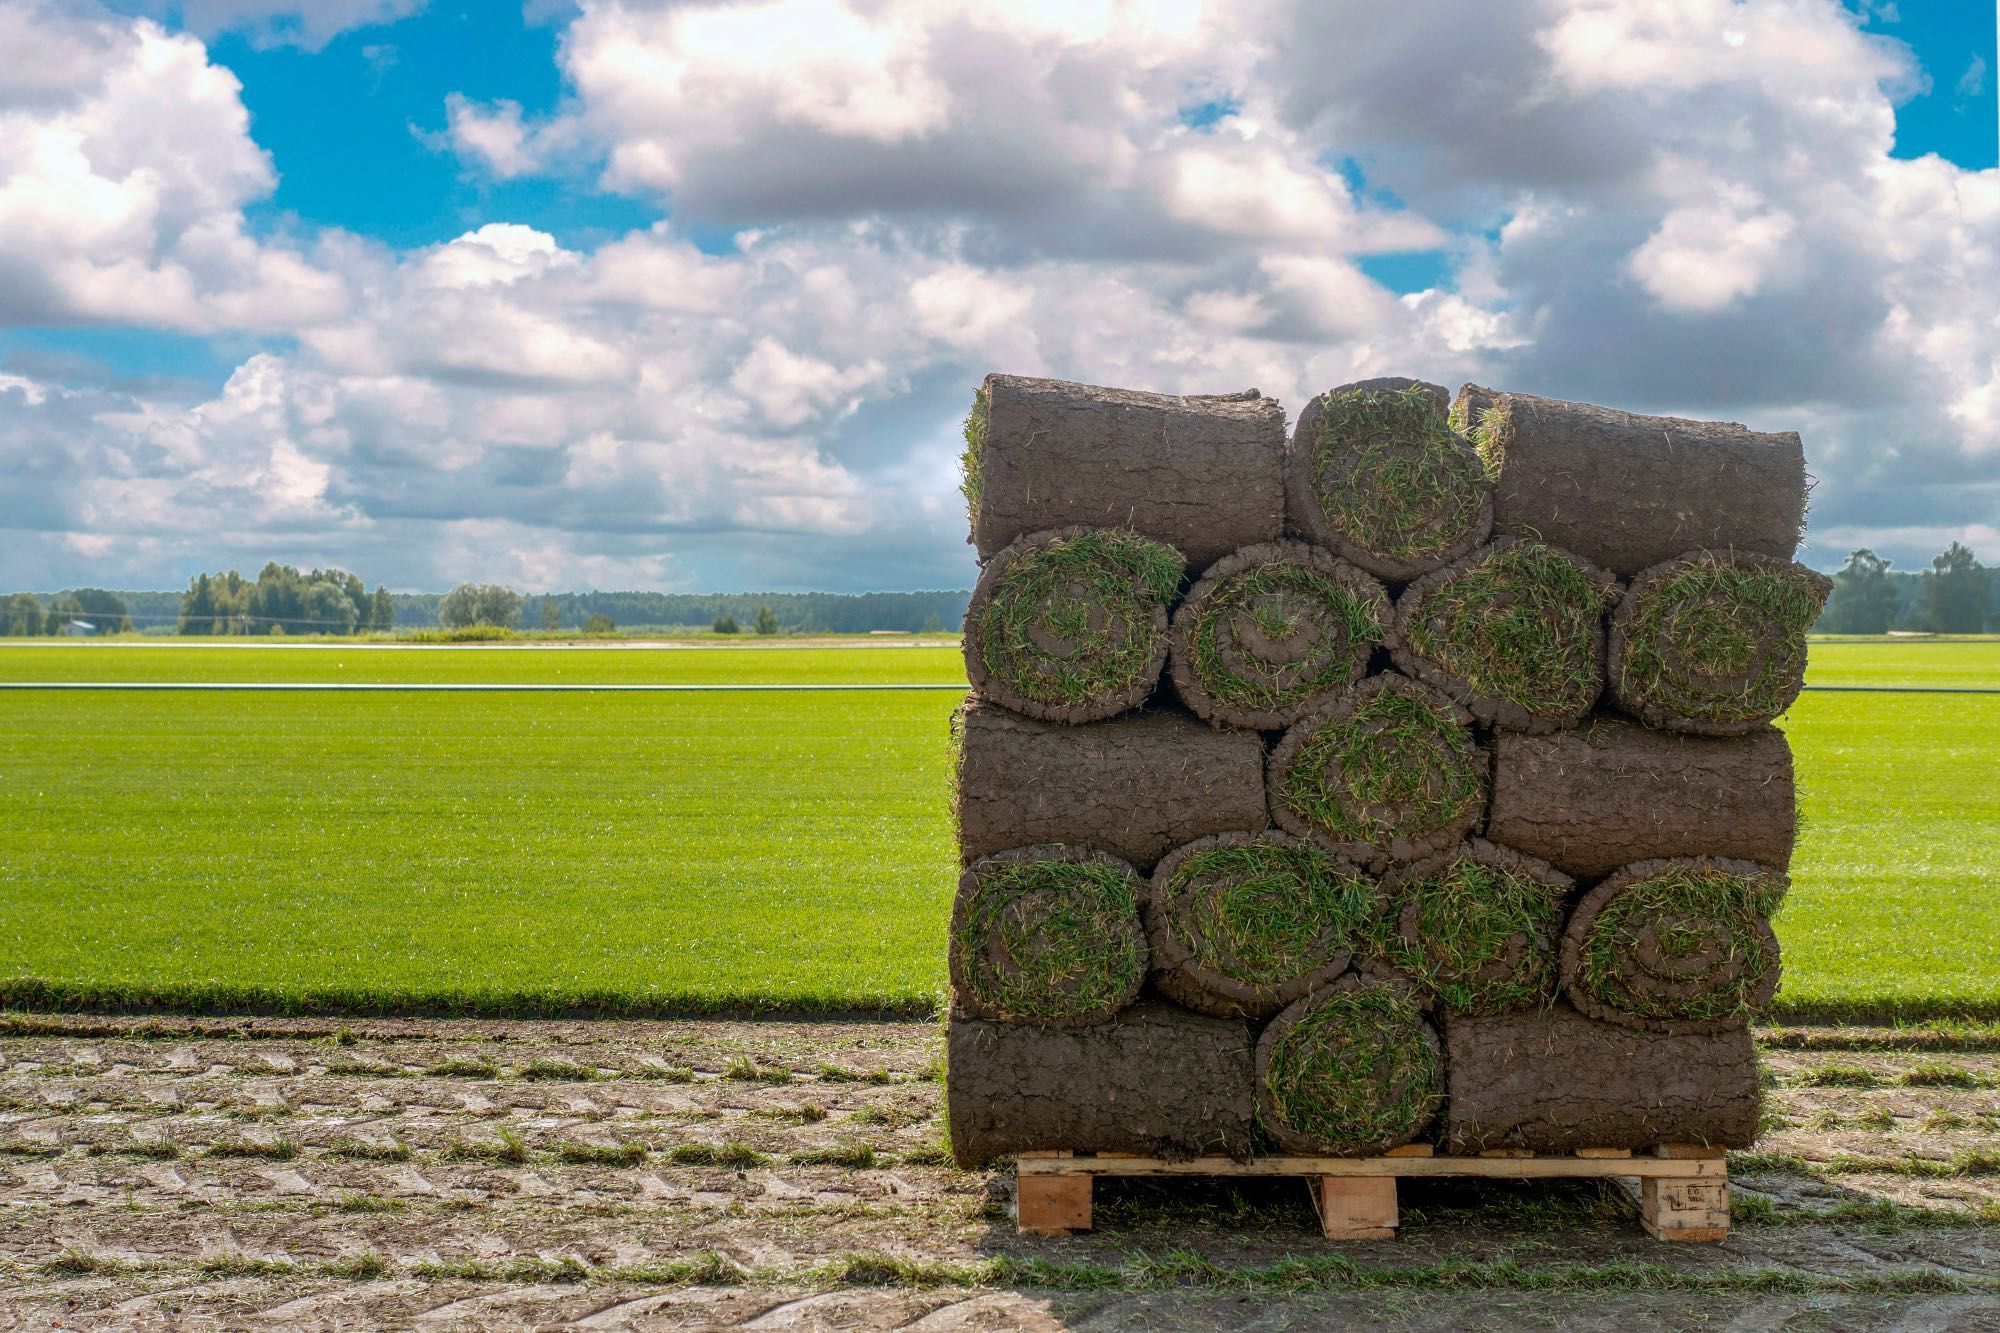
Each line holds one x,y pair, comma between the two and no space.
1350,1070
1386,772
1049,935
1071,625
1376,475
1625,491
1675,946
1156,1080
1613,792
1203,473
1272,631
1553,1081
1135,786
1242,924
1514,631
1476,929
1714,642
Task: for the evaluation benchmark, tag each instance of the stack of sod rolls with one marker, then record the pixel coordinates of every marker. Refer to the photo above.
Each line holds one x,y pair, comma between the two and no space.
1409,779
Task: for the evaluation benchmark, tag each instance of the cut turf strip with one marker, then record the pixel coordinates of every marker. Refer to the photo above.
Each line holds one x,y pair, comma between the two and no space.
1387,772
1071,625
1049,935
1349,1070
1476,929
1676,946
1376,474
1714,642
1514,631
1551,1080
1242,924
1272,631
1106,1088
1043,454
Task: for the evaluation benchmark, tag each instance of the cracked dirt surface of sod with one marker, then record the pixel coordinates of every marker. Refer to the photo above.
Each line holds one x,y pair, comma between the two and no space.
235,1172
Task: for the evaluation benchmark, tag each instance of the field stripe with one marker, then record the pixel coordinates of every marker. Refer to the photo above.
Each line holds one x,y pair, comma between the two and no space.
404,687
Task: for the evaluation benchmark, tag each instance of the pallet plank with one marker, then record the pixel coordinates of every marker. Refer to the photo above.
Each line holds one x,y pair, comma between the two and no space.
1509,1168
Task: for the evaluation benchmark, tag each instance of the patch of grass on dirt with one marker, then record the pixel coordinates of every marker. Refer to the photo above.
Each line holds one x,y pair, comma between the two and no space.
1718,640
1937,1074
743,1069
360,1201
801,1113
727,1153
507,1148
270,1150
851,1154
463,1066
1522,623
1833,1074
550,1070
237,1264
80,1263
1704,921
627,1153
1356,1069
363,1267
1095,593
1390,475
365,1150
159,1148
832,1073
1050,938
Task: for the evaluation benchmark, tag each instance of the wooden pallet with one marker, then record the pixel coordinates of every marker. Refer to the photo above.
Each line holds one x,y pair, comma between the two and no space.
1682,1189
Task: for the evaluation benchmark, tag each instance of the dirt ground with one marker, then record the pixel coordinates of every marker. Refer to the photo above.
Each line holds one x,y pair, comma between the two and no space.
239,1173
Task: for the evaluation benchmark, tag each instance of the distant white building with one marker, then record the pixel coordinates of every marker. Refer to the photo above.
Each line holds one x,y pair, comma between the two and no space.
77,629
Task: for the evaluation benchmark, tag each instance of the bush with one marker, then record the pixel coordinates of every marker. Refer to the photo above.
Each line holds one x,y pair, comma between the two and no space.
726,624
599,623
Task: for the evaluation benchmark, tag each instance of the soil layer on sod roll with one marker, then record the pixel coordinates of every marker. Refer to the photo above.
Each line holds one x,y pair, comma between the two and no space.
1272,631
1136,786
1552,1081
1676,946
1349,1070
1476,929
1204,473
1714,642
1050,935
1242,924
1626,491
1514,631
1386,772
1376,475
1613,792
1071,625
1156,1080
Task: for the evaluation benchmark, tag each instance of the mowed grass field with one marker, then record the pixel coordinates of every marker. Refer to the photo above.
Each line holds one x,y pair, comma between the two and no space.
687,852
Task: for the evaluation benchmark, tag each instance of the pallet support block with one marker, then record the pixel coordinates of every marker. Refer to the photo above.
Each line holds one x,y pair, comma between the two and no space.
1052,1205
1679,1208
1355,1207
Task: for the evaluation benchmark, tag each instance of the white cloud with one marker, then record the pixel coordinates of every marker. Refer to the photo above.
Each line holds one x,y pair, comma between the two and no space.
1706,258
267,23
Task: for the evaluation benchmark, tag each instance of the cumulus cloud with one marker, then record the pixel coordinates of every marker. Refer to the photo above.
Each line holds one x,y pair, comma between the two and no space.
310,24
1688,208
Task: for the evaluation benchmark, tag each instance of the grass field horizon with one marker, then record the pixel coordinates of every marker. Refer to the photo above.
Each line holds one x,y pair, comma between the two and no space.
671,854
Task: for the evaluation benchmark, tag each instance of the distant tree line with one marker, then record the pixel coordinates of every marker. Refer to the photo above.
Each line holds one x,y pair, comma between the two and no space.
790,612
1956,595
23,615
284,600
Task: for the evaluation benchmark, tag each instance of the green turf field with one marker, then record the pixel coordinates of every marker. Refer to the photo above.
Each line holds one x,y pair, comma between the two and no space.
679,852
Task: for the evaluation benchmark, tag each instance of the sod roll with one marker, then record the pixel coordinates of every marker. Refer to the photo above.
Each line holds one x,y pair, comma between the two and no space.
1514,631
1242,924
1386,772
1204,473
1272,631
1137,786
1349,1070
1613,792
1476,929
1552,1081
1714,642
1626,491
1376,474
1156,1080
1050,935
1675,946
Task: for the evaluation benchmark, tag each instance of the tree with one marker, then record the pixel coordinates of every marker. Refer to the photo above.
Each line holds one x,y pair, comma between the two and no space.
1955,592
480,604
725,624
21,615
599,623
767,623
198,607
381,611
932,625
106,610
552,615
62,610
1863,600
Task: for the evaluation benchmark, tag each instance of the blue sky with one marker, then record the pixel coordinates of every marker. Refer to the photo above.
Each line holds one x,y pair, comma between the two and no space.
619,295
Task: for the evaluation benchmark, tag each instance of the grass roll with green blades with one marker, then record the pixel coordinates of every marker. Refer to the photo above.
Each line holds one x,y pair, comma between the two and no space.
1676,946
1071,625
1515,632
1049,935
1387,772
1269,632
1714,642
1476,929
1349,1071
1242,924
1376,474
